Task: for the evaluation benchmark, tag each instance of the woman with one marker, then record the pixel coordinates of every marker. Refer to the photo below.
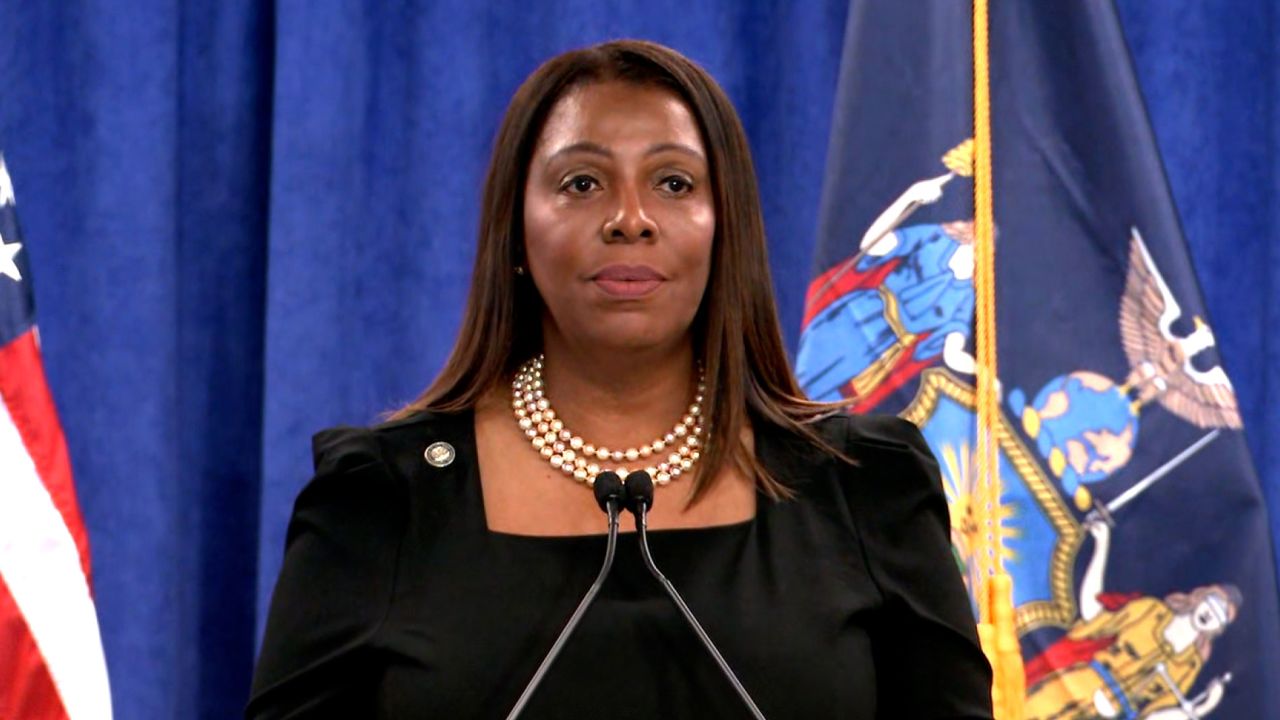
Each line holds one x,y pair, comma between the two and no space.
620,316
1131,655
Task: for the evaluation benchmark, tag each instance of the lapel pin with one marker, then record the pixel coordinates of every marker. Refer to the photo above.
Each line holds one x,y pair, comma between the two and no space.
439,454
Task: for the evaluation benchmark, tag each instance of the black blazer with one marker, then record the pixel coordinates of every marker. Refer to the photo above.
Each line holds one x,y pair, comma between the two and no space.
395,600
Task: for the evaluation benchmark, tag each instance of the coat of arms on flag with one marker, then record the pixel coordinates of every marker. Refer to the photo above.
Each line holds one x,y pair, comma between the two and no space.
1129,518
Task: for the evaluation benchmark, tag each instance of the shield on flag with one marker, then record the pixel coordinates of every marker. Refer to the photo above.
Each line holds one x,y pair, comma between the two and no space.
1129,517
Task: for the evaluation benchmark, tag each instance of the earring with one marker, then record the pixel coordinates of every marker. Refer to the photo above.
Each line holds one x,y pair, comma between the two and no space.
519,269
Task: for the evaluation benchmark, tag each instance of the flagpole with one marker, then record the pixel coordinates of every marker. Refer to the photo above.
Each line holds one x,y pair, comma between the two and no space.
996,626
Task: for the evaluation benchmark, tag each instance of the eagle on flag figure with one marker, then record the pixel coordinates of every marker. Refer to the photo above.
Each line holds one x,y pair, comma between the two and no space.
1163,367
1085,425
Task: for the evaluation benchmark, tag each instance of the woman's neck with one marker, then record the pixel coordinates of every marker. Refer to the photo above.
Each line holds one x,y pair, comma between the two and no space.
1181,633
619,399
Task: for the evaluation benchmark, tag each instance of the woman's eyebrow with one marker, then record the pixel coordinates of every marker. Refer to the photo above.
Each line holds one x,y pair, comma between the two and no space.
678,147
586,146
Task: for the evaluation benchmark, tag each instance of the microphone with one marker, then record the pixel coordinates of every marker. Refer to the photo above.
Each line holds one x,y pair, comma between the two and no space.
639,498
610,495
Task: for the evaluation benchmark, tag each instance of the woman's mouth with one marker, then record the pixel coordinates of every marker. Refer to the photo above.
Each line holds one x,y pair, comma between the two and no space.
628,281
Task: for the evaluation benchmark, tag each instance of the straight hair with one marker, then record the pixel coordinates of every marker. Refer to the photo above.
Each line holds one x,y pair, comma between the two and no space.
737,336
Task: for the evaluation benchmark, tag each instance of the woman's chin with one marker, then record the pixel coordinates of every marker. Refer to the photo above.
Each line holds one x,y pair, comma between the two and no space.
619,338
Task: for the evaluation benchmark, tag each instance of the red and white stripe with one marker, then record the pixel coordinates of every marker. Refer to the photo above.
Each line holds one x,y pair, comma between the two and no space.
51,660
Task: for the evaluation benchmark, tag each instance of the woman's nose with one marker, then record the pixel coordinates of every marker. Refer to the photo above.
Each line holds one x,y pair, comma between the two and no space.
631,222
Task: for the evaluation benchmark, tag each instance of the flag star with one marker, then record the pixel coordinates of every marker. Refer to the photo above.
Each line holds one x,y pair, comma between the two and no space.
6,185
7,265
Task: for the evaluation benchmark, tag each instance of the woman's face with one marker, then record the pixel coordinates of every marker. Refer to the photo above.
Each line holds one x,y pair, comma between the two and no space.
619,217
1211,615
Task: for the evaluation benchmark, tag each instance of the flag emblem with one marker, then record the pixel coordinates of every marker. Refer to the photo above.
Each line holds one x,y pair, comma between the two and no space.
1096,474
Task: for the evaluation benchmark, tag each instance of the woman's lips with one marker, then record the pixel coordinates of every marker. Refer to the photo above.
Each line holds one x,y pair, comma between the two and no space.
628,281
627,288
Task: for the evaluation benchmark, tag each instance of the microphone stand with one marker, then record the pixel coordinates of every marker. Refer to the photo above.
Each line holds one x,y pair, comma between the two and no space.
639,498
610,498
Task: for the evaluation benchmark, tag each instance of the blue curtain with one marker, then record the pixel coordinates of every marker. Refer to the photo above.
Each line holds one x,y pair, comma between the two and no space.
248,220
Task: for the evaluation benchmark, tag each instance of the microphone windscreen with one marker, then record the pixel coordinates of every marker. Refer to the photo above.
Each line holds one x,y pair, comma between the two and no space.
639,490
608,486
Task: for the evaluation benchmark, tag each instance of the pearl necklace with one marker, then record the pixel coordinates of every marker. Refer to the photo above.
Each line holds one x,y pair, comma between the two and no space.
582,460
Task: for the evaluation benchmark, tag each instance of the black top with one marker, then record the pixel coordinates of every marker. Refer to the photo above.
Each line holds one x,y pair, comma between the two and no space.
396,600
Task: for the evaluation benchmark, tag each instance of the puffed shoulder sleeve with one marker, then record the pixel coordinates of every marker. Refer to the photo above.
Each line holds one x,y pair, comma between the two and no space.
335,586
929,664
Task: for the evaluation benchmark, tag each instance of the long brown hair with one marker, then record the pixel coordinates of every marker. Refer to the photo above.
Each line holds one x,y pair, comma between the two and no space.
736,330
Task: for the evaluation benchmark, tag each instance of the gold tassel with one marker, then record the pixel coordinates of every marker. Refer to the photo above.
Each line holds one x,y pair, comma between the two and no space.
997,628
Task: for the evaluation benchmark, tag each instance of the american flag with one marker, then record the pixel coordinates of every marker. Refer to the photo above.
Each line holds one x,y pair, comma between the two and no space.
51,659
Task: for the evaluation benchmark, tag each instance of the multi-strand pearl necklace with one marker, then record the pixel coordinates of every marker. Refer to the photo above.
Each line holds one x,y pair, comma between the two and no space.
582,460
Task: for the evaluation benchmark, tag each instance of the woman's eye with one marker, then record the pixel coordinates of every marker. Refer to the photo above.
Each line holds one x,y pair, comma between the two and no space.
580,184
676,185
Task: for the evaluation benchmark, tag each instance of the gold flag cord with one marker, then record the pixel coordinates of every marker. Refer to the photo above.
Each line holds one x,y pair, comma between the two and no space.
994,590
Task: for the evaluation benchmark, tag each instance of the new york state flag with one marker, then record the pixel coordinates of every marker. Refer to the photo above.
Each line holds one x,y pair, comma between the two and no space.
1131,519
